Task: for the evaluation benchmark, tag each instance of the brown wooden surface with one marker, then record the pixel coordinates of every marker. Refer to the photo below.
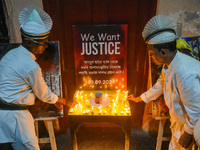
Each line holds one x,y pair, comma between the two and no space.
135,13
76,121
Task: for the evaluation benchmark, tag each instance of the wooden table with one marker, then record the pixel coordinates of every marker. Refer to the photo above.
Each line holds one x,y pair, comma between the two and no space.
77,121
114,114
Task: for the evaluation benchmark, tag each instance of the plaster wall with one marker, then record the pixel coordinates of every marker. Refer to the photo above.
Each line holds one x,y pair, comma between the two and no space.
186,12
12,9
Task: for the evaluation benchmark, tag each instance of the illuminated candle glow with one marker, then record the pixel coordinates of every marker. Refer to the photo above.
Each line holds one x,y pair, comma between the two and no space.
118,104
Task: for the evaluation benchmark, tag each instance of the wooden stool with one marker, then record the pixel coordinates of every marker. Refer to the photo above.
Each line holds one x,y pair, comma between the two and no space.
160,137
48,122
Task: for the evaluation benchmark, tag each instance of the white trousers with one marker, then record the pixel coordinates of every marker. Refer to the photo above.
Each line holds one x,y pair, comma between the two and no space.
177,131
30,145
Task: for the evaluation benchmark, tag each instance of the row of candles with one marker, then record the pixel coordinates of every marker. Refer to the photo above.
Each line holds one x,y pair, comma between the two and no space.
118,104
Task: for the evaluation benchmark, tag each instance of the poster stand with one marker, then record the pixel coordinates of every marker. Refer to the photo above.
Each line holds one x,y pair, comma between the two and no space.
100,53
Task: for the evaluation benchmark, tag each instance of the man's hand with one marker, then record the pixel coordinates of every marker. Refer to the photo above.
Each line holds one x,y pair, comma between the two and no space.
185,140
133,98
59,103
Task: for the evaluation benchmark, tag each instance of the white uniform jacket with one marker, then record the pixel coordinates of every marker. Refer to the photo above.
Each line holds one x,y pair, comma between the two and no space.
21,82
180,84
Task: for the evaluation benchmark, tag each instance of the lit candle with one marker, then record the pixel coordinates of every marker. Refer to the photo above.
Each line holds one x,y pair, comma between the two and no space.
81,100
71,110
91,94
92,112
115,112
118,91
125,96
106,95
87,111
80,106
77,96
117,98
100,112
104,112
114,105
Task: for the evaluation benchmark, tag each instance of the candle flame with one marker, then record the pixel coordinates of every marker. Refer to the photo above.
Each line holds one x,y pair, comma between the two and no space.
117,98
71,110
87,110
106,95
118,103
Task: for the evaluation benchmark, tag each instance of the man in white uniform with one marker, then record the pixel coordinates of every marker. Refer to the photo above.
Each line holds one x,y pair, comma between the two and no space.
179,80
21,82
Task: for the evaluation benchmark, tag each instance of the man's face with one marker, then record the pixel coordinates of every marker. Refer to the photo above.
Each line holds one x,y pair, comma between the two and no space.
155,54
39,46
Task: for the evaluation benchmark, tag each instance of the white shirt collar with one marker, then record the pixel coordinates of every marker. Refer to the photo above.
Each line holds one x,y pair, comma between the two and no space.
172,63
28,52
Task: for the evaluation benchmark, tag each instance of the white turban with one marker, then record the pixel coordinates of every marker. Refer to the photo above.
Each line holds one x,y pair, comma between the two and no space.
34,28
159,29
162,38
35,23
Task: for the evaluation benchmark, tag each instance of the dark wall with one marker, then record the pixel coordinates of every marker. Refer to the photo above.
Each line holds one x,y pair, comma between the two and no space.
3,28
135,13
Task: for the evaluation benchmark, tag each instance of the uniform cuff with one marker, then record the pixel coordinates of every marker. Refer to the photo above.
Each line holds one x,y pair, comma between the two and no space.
144,98
55,99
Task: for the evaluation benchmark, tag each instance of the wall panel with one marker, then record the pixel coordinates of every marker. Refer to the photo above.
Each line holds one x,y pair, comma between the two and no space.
135,13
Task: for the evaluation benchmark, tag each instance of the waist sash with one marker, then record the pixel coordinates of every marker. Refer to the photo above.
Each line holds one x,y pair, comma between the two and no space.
8,106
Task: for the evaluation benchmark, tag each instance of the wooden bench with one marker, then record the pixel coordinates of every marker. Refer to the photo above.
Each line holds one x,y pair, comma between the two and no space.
48,122
160,137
